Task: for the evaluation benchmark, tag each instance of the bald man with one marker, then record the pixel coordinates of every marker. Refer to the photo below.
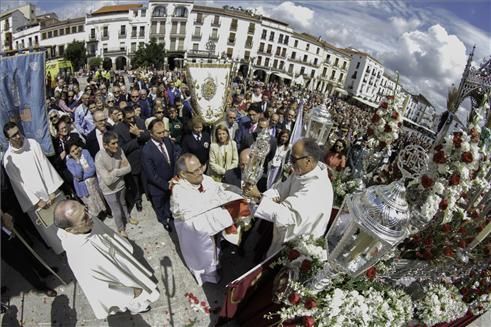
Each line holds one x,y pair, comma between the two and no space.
103,263
234,176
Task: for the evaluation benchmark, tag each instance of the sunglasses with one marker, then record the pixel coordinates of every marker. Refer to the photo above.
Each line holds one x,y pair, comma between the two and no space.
294,159
159,112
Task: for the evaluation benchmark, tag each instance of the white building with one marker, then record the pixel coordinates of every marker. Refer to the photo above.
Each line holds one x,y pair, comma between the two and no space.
364,77
420,111
10,21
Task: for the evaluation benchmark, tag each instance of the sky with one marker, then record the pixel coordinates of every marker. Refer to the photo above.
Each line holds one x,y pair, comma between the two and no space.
426,41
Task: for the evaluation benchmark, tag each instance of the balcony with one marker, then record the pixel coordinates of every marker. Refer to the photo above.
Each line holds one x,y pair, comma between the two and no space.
248,45
231,42
262,52
179,18
198,22
133,35
141,35
122,35
196,37
233,28
114,52
215,23
157,32
251,30
213,37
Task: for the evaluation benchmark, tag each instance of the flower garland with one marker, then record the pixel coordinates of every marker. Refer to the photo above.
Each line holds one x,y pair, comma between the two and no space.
387,121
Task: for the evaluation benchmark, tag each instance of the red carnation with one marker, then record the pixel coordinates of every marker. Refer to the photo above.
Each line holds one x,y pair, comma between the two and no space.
387,128
308,321
448,251
443,204
196,301
369,131
457,139
427,255
462,244
439,147
203,303
371,273
467,157
428,241
310,303
454,179
293,254
395,115
439,157
306,265
446,228
462,230
375,118
294,298
474,213
384,105
426,181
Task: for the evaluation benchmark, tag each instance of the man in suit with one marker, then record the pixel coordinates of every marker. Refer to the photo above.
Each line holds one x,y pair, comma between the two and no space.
274,128
132,136
159,157
289,121
198,142
234,176
247,126
264,105
173,93
94,138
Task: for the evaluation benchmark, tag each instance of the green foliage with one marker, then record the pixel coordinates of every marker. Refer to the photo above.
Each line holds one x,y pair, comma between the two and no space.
95,62
151,54
76,53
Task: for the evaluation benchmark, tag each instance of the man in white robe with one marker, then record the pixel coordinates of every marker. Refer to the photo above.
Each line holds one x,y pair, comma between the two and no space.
33,178
103,263
300,205
196,205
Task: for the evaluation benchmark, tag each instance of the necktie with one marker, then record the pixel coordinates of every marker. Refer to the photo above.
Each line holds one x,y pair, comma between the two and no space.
164,152
201,189
198,137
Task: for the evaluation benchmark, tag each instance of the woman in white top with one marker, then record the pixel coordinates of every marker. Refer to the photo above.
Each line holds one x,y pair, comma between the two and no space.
280,159
223,154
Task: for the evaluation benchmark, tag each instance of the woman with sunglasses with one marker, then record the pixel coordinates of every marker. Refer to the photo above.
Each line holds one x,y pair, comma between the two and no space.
336,157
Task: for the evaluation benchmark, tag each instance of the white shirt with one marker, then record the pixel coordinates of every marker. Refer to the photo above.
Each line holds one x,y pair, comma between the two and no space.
98,135
163,147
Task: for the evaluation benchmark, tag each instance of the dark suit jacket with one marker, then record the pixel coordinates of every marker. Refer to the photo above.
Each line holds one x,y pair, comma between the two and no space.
200,149
233,177
91,141
131,144
287,125
156,170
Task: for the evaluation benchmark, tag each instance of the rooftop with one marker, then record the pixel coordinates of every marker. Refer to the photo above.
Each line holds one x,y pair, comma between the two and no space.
116,8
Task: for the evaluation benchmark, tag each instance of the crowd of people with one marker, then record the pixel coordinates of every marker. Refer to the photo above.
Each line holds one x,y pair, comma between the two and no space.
128,136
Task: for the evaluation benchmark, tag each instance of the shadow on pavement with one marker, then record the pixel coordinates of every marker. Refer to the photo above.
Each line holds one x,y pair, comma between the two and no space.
126,319
10,318
61,313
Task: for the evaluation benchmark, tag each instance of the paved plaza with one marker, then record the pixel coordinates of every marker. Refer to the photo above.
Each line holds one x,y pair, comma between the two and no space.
160,249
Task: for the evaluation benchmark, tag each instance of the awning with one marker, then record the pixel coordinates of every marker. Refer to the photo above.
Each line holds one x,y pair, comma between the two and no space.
366,102
300,80
282,75
342,91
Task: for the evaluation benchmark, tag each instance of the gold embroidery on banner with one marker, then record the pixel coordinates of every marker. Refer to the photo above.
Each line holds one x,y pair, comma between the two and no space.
208,89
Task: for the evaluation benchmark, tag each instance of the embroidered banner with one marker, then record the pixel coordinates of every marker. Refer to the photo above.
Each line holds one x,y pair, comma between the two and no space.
22,97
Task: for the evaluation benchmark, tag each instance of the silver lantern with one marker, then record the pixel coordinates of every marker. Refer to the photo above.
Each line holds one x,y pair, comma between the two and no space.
259,150
372,222
319,124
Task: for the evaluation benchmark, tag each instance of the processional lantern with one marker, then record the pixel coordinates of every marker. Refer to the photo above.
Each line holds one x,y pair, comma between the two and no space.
319,124
371,223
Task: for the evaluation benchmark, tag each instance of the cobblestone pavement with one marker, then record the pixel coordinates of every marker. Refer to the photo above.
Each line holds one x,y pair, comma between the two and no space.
159,248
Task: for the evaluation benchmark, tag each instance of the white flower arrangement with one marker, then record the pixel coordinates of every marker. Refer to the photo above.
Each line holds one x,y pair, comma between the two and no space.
481,304
440,303
387,121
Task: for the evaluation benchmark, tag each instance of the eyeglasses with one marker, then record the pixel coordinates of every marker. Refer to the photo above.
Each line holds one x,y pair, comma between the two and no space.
294,159
134,96
53,117
198,171
159,112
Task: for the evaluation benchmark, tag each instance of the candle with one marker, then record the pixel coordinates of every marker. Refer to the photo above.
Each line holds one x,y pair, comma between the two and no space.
480,237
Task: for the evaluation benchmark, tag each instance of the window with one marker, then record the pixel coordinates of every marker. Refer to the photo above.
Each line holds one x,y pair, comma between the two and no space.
80,28
307,47
133,46
233,25
333,74
199,18
174,28
216,20
231,38
278,51
340,77
286,39
282,64
312,73
324,71
263,35
74,29
315,61
261,47
159,11
328,58
197,31
249,42
195,46
271,36
252,28
92,33
153,27
180,12
294,54
36,40
275,63
305,58
344,64
61,50
50,35
283,52
123,29
143,13
247,55
270,48
318,50
336,62
230,52
214,33
290,68
358,65
259,60
354,74
67,30
17,45
55,33
43,36
295,44
23,44
62,31
266,62
302,70
105,31
104,47
142,31
280,38
141,44
182,29
122,46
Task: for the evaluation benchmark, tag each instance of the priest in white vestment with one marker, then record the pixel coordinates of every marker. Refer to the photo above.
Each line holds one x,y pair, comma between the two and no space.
33,178
103,264
300,205
196,205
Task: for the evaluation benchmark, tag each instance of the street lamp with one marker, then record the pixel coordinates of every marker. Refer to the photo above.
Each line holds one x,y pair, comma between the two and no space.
319,124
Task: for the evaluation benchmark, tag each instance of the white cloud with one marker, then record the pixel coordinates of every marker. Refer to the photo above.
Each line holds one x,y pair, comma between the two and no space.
296,14
403,25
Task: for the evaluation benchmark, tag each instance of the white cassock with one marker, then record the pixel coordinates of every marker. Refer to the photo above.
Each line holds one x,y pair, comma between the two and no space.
33,178
198,216
304,207
106,270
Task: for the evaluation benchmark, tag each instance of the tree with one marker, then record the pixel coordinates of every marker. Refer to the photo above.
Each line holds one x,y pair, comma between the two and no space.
95,62
76,53
151,54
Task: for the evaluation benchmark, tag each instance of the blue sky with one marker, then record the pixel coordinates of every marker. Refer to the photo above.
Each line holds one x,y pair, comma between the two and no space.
427,41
